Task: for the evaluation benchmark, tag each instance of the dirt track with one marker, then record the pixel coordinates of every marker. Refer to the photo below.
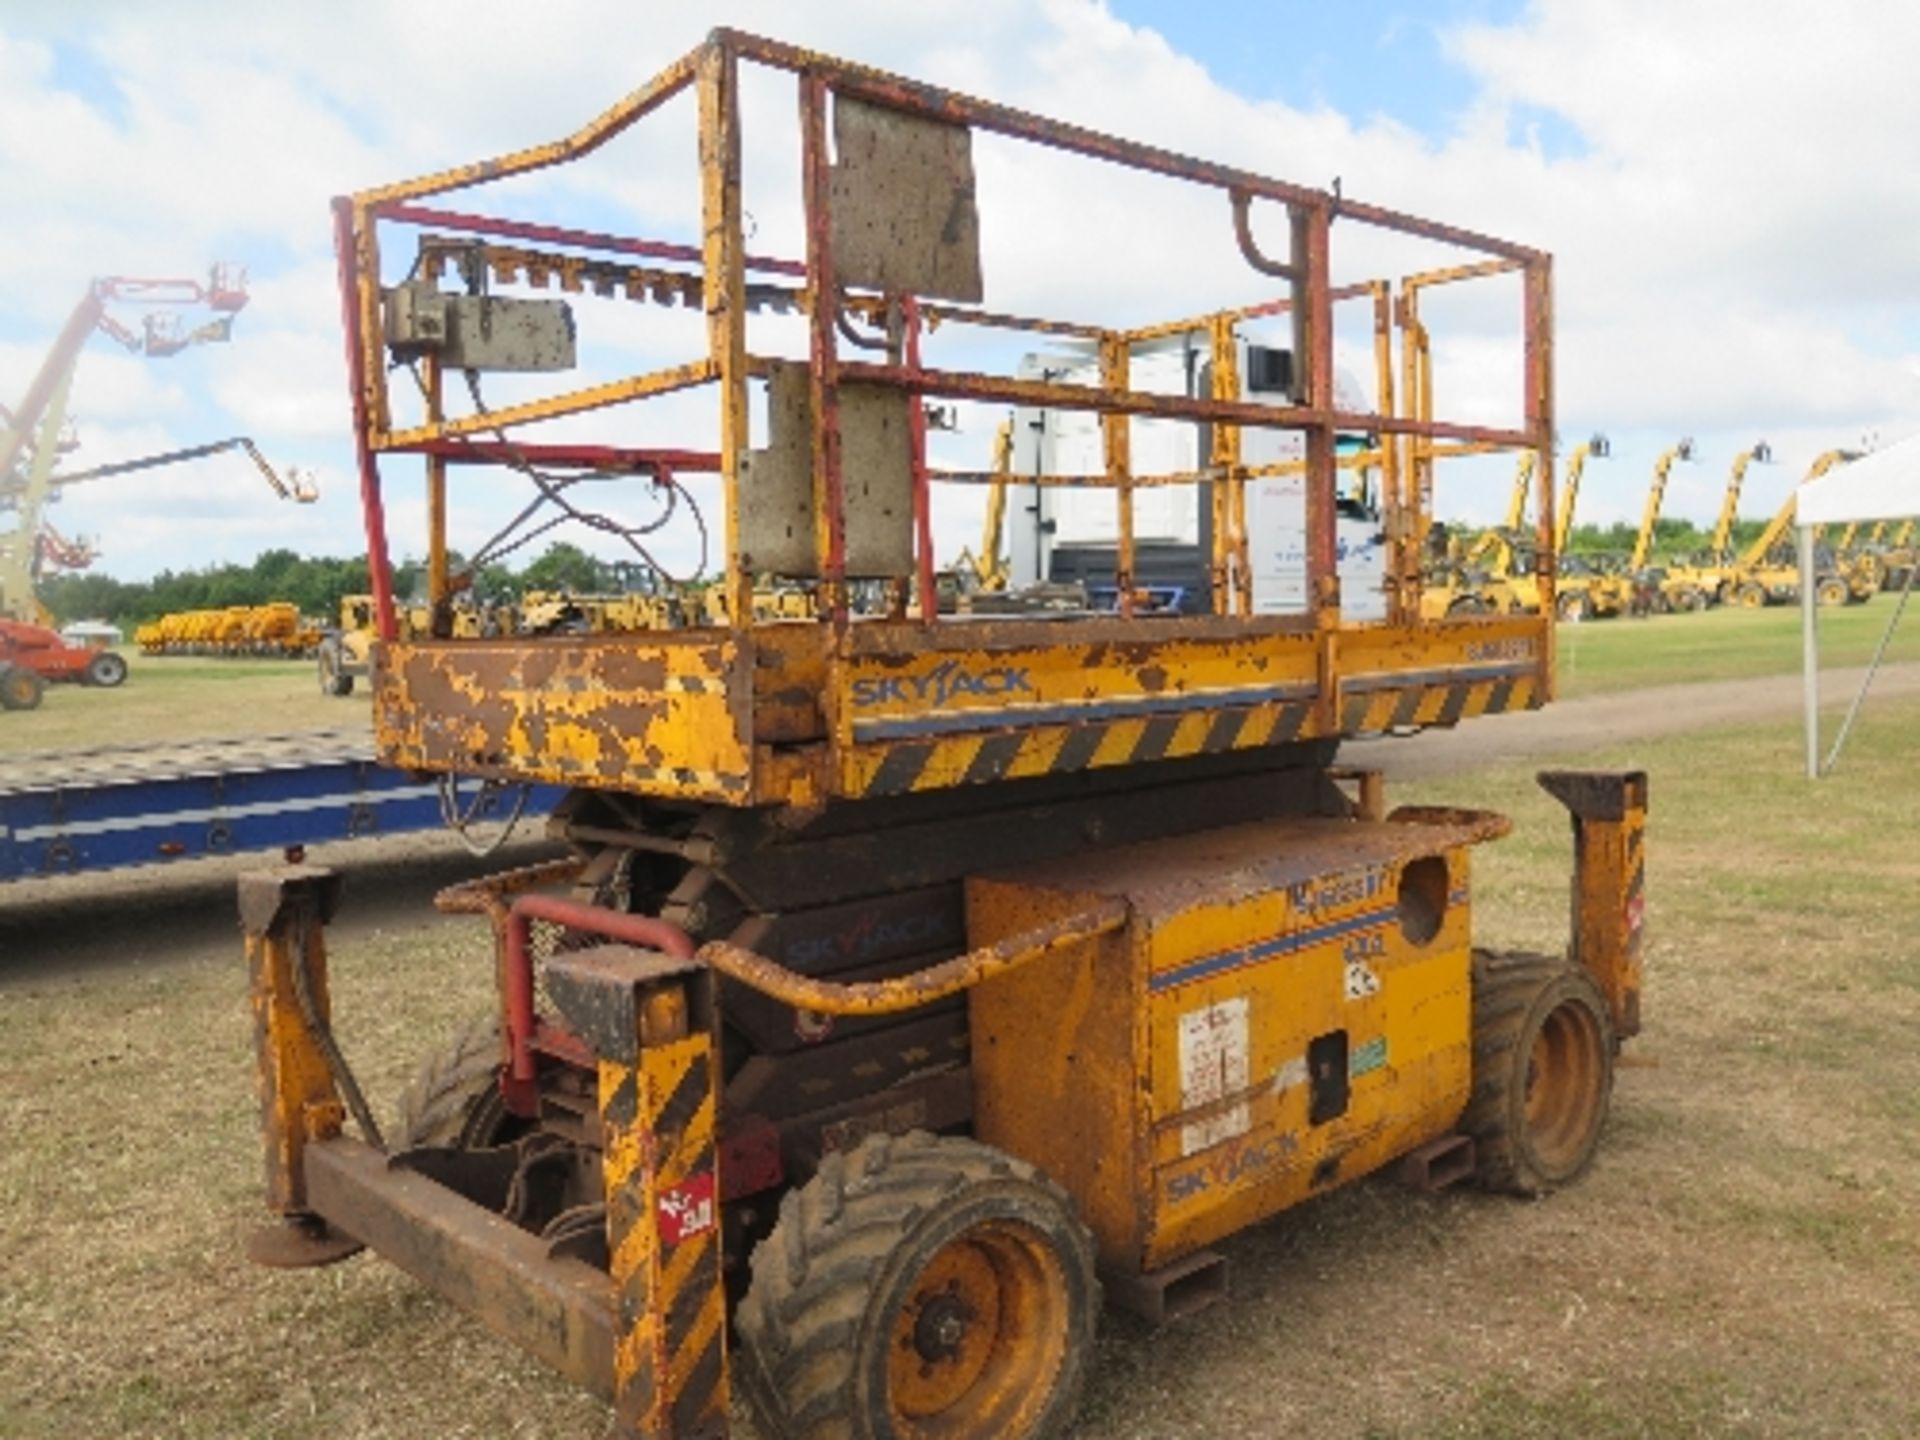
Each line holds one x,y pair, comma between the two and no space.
1617,719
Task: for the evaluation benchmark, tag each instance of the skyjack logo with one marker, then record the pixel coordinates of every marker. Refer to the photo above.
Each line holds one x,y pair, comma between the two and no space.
947,681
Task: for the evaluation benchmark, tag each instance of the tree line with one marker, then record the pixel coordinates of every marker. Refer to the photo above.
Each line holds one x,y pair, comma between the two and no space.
314,583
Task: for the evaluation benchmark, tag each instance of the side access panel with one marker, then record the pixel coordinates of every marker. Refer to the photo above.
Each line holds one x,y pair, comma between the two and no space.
668,716
1288,1009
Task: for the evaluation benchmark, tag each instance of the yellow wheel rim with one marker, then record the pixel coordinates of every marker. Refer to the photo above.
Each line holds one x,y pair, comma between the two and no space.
1563,1085
978,1345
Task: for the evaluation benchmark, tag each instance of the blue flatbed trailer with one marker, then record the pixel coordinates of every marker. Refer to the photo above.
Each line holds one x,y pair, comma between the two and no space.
69,812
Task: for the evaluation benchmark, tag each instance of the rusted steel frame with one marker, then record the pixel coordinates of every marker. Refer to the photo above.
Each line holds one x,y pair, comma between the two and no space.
619,459
829,497
1310,238
922,491
923,987
938,315
564,235
916,97
1403,553
1087,482
1417,389
724,279
1226,459
489,895
431,384
1492,437
1452,274
1117,436
283,915
589,137
1250,251
551,407
1538,328
1257,311
346,243
519,1084
559,1310
1047,394
1609,814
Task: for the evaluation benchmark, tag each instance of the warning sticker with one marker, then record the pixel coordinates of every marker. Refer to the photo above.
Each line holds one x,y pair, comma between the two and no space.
686,1210
1213,1065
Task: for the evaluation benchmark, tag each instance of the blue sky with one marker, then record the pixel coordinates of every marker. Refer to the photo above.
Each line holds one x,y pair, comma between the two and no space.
1723,267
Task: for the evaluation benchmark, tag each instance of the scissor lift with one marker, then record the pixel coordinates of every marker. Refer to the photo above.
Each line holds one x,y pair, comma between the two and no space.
1003,953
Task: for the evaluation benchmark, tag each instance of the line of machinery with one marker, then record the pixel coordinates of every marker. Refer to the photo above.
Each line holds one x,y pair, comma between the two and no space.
918,981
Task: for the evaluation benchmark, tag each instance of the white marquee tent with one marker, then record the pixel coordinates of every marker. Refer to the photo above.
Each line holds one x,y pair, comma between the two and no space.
1882,486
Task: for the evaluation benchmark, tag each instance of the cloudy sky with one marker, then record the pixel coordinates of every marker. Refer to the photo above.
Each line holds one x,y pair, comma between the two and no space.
1724,184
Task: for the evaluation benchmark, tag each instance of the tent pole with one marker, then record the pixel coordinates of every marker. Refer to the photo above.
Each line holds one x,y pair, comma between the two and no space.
1873,668
1810,652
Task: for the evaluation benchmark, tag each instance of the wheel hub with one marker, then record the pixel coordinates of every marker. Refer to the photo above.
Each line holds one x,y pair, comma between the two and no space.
941,1328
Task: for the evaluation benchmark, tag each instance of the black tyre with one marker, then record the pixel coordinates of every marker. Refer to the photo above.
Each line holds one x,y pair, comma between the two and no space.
1750,596
454,1099
107,670
20,688
1573,606
1832,591
920,1286
1542,1071
333,680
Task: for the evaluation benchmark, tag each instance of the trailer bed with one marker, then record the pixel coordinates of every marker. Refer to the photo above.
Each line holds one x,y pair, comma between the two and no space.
65,812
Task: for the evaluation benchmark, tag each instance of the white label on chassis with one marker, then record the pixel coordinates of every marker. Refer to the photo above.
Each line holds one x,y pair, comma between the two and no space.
1213,1065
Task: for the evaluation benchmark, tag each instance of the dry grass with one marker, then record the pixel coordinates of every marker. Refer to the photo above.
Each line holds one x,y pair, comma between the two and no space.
1743,1260
172,698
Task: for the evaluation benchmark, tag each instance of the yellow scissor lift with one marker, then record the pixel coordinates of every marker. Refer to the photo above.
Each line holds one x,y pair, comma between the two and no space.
913,977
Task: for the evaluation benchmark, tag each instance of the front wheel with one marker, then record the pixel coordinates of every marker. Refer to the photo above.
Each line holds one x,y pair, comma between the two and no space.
1574,606
333,680
1542,1071
106,670
920,1286
1832,591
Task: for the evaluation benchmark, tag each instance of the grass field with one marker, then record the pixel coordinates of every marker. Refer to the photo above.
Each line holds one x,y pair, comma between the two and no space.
1622,654
1742,1261
168,697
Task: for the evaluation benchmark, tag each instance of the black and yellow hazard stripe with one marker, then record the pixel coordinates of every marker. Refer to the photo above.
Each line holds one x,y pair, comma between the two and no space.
658,1118
1418,706
898,767
937,762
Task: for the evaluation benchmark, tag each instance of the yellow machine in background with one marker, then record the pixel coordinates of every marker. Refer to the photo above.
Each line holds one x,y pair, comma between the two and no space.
1767,574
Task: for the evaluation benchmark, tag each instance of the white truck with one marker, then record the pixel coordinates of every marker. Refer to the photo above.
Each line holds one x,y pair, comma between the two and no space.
1067,533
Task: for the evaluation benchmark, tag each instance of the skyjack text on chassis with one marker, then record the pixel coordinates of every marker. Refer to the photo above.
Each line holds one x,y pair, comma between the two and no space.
885,1020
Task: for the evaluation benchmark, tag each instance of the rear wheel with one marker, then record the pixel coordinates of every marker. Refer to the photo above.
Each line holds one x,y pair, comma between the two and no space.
1542,1071
20,688
1751,596
1574,606
454,1098
1832,591
920,1286
106,670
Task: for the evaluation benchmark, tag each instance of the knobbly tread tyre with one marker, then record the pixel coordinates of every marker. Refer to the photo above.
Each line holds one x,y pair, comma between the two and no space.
453,1099
20,688
816,1323
1513,995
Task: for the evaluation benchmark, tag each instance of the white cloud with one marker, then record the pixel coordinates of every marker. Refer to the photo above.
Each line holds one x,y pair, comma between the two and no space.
1732,231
